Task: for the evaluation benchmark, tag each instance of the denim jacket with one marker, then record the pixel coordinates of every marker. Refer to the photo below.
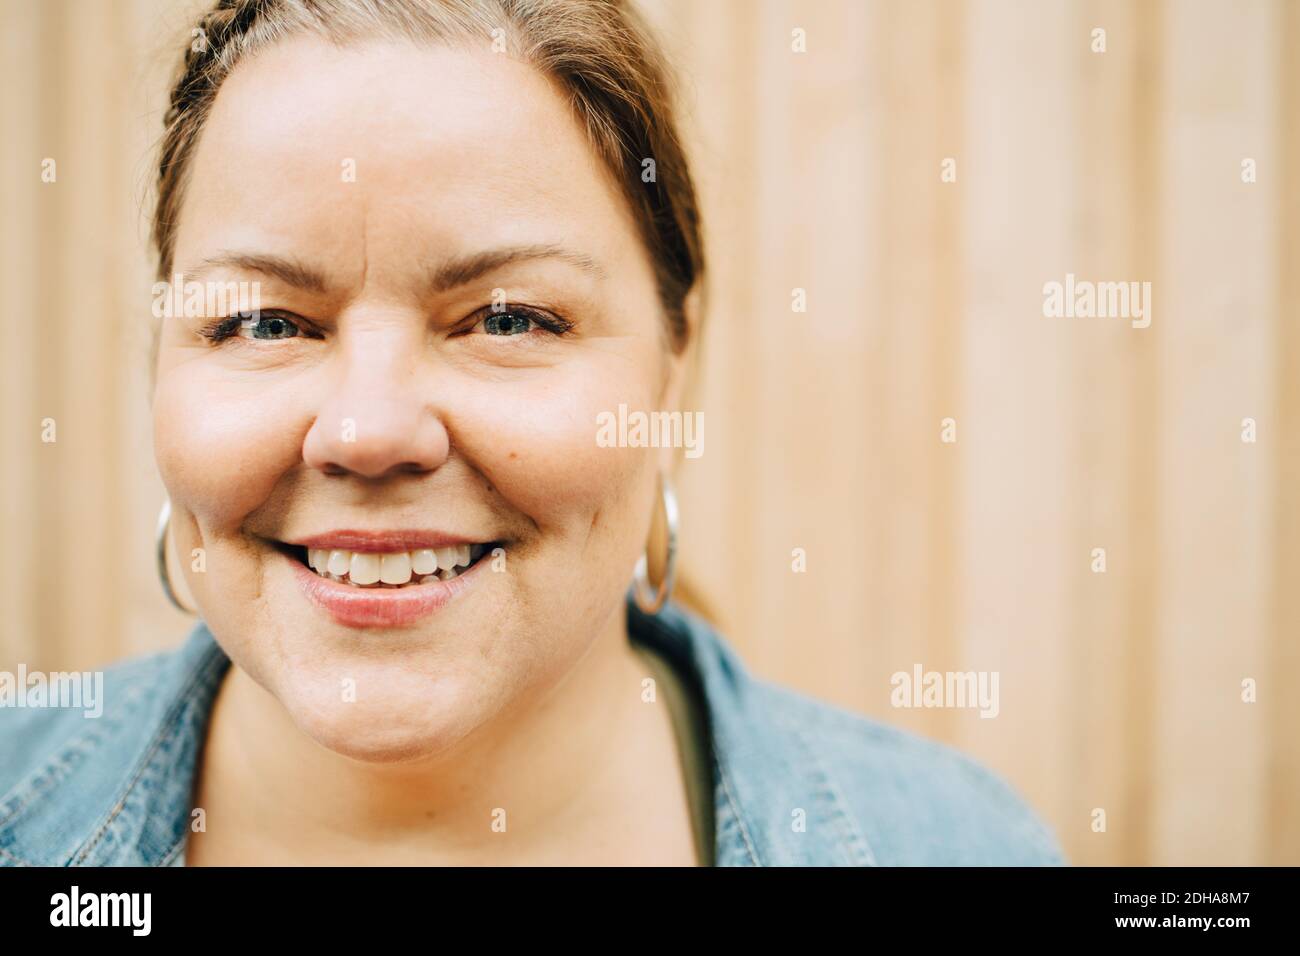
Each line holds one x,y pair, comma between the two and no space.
796,781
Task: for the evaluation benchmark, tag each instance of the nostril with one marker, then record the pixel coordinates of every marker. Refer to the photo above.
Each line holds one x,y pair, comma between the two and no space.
391,438
405,468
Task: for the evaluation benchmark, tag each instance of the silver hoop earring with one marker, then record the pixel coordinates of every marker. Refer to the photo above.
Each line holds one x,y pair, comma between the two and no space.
160,551
647,599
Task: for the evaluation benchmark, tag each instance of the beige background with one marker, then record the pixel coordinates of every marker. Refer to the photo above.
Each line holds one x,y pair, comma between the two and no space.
821,171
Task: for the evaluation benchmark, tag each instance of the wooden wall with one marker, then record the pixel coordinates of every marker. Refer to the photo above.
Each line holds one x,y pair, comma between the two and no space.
822,171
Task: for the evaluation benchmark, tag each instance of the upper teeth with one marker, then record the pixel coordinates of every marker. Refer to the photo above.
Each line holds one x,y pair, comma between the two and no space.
396,567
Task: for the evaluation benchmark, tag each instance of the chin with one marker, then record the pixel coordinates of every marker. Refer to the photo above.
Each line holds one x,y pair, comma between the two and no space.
391,720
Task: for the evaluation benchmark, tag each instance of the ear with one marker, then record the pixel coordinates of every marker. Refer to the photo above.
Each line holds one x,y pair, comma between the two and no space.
678,368
679,362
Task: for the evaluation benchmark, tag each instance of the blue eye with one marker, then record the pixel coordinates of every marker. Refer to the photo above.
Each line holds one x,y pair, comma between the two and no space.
507,323
516,321
267,326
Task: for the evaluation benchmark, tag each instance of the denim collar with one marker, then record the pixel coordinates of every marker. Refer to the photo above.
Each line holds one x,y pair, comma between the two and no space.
125,798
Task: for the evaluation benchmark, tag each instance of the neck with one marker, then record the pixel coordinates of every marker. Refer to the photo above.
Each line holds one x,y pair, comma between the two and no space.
549,766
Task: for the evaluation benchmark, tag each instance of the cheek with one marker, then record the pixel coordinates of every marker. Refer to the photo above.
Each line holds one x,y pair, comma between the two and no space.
538,446
220,450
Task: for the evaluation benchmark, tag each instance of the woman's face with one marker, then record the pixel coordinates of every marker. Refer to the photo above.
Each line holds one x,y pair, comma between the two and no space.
380,409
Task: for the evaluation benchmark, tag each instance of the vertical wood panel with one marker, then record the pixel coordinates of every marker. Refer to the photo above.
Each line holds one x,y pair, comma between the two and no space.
1113,102
1017,402
1144,543
1283,676
917,315
91,293
23,106
1215,507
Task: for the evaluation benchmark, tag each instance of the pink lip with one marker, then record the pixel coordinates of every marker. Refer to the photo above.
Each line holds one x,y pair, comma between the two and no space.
383,542
380,607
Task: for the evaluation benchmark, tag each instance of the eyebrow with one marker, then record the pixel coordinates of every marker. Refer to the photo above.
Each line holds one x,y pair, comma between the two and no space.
288,271
451,273
462,270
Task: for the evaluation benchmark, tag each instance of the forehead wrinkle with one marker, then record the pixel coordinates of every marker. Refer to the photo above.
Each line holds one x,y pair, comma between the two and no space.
365,249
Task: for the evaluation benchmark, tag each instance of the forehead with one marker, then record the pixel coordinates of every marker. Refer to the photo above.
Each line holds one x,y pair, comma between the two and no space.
410,150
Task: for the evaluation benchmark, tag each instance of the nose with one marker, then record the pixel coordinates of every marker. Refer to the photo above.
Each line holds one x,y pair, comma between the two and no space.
377,417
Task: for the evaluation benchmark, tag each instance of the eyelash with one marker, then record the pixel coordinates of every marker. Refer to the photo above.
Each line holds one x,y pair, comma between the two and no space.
552,323
227,327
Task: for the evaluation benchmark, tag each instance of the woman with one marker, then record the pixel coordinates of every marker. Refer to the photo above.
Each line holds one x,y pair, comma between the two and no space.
470,231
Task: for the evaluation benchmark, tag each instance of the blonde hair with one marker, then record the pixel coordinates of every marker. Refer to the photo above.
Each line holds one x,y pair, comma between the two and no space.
600,52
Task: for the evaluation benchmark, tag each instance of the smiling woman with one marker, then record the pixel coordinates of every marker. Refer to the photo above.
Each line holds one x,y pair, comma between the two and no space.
417,643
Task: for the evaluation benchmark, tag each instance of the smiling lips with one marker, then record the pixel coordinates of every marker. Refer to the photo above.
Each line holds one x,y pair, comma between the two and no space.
394,568
365,579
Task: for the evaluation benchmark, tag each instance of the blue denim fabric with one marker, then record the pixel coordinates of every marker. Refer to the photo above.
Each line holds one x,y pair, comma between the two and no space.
115,790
